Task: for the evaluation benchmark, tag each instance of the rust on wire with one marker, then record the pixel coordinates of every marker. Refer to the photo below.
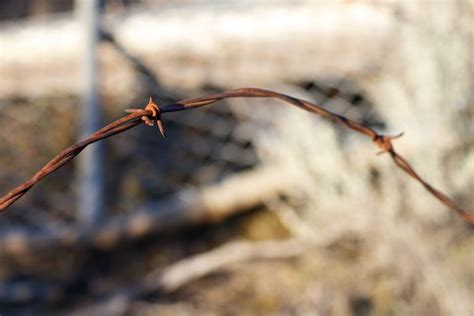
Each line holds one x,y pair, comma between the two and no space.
153,112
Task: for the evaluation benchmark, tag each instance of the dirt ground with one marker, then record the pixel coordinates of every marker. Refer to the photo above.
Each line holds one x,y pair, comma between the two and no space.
341,278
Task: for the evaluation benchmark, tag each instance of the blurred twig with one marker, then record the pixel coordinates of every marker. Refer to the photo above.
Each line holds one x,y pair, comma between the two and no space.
153,112
186,270
190,206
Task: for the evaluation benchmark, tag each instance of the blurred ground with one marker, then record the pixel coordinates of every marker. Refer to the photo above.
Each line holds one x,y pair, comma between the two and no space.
346,277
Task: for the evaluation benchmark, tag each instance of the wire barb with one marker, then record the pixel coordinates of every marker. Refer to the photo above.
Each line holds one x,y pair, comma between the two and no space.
152,113
384,142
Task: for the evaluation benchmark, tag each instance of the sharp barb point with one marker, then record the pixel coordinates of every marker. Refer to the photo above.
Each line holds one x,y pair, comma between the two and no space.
161,127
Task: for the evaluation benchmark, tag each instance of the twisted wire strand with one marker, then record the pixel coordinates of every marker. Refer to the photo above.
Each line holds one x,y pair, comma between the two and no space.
67,155
153,113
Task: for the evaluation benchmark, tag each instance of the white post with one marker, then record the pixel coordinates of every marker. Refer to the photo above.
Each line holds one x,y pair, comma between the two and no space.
90,173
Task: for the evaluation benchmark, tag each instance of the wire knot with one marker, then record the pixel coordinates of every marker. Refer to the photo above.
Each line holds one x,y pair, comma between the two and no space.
384,142
154,115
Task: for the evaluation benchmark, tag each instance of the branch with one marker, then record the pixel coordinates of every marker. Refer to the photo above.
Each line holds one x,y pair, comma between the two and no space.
182,272
188,207
152,114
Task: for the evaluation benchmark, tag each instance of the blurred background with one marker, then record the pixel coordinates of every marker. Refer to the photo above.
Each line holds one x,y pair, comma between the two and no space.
249,206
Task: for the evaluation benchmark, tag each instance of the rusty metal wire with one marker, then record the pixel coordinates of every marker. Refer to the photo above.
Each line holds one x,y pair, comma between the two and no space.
152,115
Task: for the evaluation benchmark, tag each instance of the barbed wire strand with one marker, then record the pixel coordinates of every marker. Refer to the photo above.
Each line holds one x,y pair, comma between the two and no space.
152,114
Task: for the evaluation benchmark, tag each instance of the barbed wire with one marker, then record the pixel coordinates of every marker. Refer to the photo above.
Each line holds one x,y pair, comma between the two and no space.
152,114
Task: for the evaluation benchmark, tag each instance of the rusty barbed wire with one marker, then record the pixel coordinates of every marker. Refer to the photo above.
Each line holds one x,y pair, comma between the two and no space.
152,115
